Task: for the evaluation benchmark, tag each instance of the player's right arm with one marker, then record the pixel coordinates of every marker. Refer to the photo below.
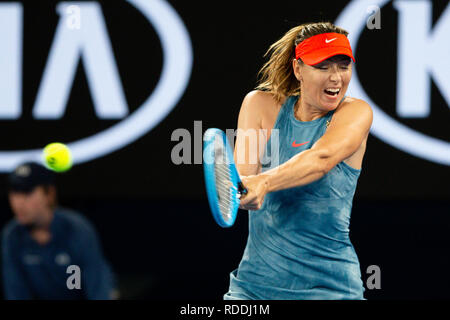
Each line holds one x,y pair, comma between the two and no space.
247,151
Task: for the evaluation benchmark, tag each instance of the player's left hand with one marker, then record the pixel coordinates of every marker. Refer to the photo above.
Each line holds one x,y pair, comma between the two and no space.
257,187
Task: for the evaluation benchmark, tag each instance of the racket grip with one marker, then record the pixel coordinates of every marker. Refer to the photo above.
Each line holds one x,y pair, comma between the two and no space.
241,189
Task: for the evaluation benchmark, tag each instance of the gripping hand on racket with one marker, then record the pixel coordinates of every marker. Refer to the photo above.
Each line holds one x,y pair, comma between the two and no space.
257,188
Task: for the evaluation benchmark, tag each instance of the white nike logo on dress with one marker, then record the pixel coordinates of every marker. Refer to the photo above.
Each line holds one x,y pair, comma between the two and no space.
328,41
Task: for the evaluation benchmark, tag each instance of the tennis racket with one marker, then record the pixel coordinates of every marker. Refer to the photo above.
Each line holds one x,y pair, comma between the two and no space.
223,184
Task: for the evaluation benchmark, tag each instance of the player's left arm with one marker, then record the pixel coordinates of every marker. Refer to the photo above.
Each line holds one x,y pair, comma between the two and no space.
348,129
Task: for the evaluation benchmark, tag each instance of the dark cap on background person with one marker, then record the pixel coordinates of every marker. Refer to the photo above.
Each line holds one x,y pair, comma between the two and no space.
28,176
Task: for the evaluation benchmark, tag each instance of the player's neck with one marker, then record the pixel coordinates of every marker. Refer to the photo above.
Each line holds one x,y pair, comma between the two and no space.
307,112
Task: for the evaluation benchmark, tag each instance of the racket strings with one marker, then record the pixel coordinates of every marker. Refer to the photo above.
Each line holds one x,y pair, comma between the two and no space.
223,180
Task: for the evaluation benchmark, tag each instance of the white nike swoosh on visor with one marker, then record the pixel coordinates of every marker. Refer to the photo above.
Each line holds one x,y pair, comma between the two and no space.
328,41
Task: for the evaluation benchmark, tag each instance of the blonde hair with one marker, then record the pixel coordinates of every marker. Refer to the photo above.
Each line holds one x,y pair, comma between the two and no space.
277,75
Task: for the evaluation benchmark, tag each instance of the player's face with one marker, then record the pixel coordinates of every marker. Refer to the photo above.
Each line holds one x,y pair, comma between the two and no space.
325,84
29,207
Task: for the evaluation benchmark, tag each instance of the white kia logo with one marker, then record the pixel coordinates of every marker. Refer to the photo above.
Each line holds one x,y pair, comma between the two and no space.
423,53
91,43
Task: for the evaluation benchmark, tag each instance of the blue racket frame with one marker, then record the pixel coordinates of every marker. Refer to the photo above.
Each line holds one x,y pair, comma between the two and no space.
210,178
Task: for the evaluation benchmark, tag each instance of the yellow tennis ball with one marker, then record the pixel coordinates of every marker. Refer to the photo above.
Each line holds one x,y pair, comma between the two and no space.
57,157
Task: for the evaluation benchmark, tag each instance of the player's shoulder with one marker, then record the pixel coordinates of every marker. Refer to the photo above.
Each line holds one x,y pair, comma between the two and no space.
356,108
350,102
260,97
260,102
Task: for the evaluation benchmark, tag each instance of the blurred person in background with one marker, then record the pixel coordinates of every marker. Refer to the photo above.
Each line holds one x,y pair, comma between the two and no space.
43,240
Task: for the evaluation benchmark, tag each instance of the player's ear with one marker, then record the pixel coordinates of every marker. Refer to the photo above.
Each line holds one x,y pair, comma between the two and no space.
297,66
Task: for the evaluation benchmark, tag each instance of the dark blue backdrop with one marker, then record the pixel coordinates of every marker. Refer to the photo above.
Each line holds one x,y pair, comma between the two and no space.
152,215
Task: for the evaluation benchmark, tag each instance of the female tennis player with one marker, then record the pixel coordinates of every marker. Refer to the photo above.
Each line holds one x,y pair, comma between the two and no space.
298,245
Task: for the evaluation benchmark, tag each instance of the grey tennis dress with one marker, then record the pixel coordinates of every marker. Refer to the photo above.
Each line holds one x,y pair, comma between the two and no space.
298,245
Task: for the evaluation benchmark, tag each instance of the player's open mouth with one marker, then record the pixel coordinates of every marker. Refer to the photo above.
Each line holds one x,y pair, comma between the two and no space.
332,91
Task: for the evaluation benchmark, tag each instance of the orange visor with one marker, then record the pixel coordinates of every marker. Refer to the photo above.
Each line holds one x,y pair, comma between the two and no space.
323,46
